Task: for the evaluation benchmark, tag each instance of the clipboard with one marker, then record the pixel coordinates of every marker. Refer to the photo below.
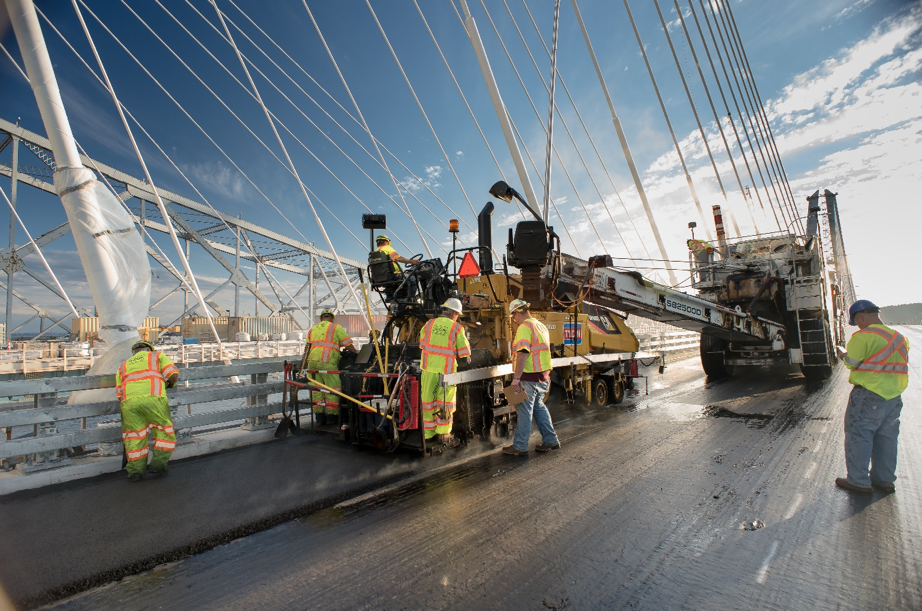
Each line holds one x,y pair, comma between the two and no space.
514,397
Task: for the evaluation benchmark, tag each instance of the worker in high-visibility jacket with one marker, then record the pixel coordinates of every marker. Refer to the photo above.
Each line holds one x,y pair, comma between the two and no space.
324,341
531,373
442,342
703,253
383,244
141,384
878,358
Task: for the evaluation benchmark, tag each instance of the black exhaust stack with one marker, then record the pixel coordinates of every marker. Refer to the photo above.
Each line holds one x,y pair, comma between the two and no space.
485,238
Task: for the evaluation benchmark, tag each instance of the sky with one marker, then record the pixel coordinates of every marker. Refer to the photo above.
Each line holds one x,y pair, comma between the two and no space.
839,80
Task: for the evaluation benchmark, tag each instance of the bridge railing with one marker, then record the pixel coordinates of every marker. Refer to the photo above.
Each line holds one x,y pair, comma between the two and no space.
671,342
61,431
25,361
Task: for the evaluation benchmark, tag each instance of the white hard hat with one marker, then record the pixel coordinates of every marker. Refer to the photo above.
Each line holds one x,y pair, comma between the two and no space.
453,304
518,304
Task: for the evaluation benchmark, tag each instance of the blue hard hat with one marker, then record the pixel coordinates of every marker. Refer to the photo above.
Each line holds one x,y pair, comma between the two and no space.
860,306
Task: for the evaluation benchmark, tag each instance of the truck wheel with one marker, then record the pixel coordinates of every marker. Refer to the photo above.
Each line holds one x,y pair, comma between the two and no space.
712,351
601,391
617,395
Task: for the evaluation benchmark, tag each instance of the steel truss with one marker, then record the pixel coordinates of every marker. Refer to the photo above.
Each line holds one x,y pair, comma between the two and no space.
218,234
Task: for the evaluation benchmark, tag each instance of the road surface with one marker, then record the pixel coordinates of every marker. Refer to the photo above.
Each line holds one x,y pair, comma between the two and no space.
704,495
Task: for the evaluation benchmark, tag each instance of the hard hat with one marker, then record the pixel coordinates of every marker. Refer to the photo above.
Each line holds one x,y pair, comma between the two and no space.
518,304
453,304
142,344
860,306
382,238
328,312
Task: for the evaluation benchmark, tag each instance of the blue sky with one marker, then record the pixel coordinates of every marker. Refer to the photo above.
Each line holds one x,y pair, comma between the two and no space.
840,82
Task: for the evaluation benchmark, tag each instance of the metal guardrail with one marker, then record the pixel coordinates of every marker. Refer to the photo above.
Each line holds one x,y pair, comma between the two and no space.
675,341
48,448
75,359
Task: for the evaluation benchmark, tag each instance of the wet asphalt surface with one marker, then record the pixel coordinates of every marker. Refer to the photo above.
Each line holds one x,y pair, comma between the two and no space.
704,495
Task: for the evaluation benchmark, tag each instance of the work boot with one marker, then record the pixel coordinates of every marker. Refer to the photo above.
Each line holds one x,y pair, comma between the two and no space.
513,451
883,486
842,482
155,473
546,447
135,477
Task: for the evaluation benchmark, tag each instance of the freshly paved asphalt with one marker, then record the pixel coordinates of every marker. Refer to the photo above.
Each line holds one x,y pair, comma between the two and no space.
645,507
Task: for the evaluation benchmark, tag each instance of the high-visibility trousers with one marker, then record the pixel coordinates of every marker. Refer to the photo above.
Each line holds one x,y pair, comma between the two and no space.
438,405
141,415
325,402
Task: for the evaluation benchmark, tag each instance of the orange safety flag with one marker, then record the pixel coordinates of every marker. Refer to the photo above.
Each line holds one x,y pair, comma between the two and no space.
469,267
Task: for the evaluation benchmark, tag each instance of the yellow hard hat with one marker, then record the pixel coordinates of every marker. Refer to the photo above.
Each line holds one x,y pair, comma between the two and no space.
518,304
328,312
142,344
382,238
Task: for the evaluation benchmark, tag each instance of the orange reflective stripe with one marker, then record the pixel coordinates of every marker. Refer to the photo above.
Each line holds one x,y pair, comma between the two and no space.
139,434
164,444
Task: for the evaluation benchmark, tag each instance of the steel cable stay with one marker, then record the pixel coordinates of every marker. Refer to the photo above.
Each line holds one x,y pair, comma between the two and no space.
321,131
694,110
374,141
768,127
717,120
419,181
752,149
570,135
421,109
221,101
756,128
339,263
519,139
464,99
166,156
150,180
723,98
544,129
579,117
622,139
659,97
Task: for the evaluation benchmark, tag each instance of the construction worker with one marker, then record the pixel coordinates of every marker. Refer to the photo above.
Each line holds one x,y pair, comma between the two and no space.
532,373
141,384
703,251
323,353
442,341
879,359
384,245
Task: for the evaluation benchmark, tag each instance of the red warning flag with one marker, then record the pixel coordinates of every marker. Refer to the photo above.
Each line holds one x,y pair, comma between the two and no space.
469,267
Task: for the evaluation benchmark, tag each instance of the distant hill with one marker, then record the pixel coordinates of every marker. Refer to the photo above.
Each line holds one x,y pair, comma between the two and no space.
906,314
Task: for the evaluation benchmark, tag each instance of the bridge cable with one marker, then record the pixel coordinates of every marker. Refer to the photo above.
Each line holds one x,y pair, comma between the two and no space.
717,120
723,98
150,180
567,127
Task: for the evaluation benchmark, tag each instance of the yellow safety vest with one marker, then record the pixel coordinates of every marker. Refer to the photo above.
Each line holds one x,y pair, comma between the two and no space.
443,342
392,254
144,375
700,246
879,359
532,337
325,339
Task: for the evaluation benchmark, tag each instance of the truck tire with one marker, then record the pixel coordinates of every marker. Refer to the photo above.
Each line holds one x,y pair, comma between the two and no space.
713,350
617,395
602,390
